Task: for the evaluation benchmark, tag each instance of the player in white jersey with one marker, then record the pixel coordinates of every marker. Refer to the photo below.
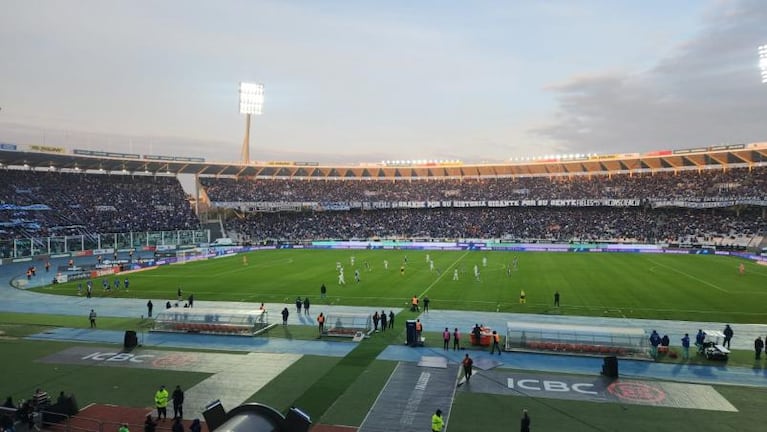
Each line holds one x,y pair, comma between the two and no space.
484,261
352,260
341,279
386,264
431,265
455,274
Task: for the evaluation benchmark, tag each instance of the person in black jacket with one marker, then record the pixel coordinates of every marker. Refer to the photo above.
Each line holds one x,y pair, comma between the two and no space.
285,314
525,422
728,333
178,403
758,347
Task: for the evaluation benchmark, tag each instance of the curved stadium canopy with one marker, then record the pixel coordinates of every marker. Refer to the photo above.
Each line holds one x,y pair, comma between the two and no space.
42,157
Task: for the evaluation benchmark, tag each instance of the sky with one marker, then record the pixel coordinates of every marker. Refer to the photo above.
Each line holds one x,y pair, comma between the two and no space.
364,81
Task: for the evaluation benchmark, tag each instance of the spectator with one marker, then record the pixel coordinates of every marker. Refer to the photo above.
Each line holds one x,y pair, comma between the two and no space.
149,424
177,425
195,426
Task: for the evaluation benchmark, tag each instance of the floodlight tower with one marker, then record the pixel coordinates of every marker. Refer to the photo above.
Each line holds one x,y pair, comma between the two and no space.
763,62
251,103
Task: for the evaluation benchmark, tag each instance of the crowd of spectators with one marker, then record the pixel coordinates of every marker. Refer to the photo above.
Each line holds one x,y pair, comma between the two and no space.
82,203
705,184
30,414
641,223
635,224
99,203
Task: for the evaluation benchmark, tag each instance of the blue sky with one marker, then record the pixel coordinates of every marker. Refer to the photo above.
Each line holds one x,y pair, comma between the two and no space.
363,81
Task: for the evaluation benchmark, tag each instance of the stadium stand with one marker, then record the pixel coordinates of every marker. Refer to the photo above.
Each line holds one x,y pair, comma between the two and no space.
707,184
41,204
728,224
682,226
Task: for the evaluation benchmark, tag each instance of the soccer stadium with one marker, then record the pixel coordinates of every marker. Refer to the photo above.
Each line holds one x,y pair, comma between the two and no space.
151,280
572,263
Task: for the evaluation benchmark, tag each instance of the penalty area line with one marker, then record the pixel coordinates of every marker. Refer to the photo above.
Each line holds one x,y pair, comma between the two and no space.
704,282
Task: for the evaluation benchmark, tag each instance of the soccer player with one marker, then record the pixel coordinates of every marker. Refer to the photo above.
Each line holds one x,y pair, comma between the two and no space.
431,265
386,264
742,268
357,276
341,279
455,274
244,260
351,260
428,258
515,263
522,296
402,270
484,261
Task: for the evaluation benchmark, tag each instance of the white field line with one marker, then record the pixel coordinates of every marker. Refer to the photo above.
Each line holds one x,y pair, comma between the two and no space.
704,282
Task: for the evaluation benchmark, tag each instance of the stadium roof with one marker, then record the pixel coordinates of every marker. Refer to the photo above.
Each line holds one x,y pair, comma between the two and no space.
725,156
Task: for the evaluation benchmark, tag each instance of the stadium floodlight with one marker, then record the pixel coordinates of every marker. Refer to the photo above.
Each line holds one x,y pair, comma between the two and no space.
251,103
763,62
251,98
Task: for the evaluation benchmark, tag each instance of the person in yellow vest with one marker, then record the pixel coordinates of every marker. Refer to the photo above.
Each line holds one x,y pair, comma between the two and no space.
522,297
321,323
436,421
161,402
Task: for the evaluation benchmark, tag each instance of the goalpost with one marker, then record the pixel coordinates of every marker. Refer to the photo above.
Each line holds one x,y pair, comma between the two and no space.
184,256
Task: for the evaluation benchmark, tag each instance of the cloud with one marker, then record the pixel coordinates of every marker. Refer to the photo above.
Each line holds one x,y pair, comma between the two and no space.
706,91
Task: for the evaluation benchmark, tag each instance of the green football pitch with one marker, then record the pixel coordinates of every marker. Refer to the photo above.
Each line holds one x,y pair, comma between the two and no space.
657,286
341,391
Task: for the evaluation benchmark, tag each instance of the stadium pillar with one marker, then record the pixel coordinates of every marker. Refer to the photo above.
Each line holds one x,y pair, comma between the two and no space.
246,141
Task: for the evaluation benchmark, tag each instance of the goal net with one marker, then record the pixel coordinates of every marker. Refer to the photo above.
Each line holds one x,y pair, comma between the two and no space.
184,256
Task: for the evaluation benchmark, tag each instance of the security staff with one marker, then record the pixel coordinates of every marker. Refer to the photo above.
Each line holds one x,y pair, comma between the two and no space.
436,421
161,402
